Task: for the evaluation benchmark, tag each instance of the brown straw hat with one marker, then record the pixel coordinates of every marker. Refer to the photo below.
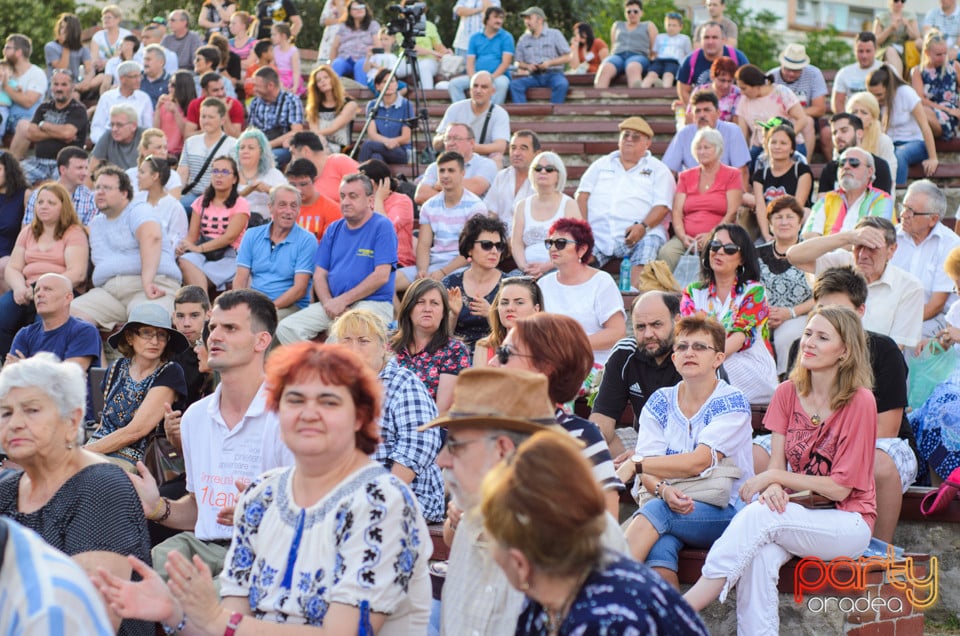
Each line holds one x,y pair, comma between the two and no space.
508,399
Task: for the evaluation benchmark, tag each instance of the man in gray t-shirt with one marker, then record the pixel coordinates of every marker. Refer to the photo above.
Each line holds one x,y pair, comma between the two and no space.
118,148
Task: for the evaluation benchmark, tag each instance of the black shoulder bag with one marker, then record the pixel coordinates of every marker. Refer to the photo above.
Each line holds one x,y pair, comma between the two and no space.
203,169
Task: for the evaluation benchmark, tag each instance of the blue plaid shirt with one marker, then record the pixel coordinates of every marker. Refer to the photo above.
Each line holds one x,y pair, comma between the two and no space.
406,406
82,203
285,111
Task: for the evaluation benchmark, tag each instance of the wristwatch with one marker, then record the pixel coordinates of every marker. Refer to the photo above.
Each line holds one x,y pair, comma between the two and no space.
638,464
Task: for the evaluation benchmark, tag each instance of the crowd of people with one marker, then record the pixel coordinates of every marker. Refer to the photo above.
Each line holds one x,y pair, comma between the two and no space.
244,372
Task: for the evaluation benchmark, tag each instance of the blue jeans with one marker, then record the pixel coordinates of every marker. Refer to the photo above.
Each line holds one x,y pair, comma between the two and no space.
458,87
349,67
376,150
699,529
12,317
622,60
554,80
908,153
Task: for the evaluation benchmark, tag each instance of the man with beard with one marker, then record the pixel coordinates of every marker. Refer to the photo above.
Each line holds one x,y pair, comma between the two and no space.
841,209
494,410
638,366
59,122
846,131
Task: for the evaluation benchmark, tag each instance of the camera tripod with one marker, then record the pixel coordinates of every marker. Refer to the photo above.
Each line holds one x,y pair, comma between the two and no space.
420,123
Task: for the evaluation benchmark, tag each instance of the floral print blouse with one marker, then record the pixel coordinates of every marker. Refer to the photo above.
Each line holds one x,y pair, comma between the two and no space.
451,359
745,312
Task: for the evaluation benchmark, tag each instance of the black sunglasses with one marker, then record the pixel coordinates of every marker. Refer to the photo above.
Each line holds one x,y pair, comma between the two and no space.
504,352
729,248
560,243
853,162
544,169
486,246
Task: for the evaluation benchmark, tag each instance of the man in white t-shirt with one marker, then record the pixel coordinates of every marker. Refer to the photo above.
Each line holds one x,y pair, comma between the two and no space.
853,77
490,122
26,85
228,438
511,184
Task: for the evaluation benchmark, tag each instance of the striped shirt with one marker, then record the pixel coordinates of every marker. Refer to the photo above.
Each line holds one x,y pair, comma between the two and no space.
194,155
595,448
42,591
447,223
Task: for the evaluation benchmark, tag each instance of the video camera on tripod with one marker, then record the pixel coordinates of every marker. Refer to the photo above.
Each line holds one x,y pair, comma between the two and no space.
410,21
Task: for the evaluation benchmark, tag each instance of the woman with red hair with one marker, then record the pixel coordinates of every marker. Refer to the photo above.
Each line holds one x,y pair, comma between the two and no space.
334,541
584,293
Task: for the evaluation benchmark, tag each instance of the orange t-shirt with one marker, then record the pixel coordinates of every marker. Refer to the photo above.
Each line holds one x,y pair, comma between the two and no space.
317,217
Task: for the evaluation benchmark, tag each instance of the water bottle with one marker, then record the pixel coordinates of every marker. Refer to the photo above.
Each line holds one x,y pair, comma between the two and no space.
680,115
625,266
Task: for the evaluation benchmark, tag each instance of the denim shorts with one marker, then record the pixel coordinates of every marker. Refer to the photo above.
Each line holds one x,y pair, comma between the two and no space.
621,60
699,529
661,66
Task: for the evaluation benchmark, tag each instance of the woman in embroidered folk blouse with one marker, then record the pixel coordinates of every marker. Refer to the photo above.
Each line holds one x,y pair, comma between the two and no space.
729,289
823,424
681,429
334,542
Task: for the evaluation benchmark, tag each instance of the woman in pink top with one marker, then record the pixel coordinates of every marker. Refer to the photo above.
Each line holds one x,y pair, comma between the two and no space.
170,115
209,253
823,421
760,101
706,196
53,243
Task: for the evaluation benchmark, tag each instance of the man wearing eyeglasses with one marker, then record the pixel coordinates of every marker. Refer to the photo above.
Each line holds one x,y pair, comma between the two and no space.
128,93
855,198
120,147
132,259
626,197
923,243
895,299
479,172
59,122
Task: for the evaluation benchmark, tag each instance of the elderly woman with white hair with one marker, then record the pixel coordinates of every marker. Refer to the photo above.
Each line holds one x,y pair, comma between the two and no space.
706,196
534,215
76,500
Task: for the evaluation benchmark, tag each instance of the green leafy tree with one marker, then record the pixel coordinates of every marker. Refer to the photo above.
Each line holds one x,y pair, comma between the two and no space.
827,50
33,20
756,39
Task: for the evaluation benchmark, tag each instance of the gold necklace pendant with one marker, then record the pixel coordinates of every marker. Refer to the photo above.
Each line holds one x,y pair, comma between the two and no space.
815,419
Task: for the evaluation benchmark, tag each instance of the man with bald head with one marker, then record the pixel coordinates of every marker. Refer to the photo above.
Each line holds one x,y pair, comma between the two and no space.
639,365
854,198
490,123
57,332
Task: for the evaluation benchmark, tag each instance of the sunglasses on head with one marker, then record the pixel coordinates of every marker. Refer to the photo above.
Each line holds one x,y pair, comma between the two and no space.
853,162
486,246
544,169
728,248
560,243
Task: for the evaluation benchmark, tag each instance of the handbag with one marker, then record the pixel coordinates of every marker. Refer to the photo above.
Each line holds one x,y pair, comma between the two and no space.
161,458
712,486
911,55
688,269
934,365
203,169
212,255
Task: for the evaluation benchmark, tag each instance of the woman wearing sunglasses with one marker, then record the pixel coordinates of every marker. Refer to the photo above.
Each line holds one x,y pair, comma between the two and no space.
584,293
483,241
681,429
557,347
533,216
519,297
729,290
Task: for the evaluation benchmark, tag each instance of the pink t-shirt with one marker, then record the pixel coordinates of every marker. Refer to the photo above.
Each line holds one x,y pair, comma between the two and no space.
215,218
168,124
703,211
399,209
841,447
334,170
777,104
51,260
